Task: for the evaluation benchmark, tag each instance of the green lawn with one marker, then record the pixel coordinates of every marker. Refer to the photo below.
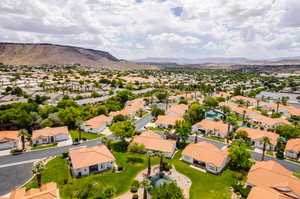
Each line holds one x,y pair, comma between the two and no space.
57,171
156,129
297,175
214,138
205,185
270,153
84,135
43,146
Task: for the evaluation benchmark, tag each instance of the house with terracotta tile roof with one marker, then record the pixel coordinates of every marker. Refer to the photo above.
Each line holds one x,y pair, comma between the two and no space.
221,94
249,100
281,108
293,111
46,191
131,108
155,143
9,140
239,110
50,135
292,148
215,128
256,137
267,122
206,155
87,160
167,121
268,179
97,124
177,110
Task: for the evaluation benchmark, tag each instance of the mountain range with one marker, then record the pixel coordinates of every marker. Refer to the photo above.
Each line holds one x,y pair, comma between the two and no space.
211,60
38,54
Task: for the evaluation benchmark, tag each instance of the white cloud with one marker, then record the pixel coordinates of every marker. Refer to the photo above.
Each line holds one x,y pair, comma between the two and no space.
130,29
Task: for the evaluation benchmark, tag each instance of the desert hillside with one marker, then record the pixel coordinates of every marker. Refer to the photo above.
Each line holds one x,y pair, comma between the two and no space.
50,54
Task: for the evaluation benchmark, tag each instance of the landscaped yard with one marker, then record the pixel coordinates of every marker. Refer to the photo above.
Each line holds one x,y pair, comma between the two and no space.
204,185
57,171
156,129
43,146
213,138
84,135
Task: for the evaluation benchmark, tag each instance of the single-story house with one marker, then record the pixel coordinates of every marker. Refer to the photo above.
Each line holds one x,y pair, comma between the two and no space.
177,110
292,148
155,143
46,191
256,136
293,111
97,124
206,155
167,121
239,110
86,160
50,135
249,100
215,128
221,94
270,180
267,122
9,140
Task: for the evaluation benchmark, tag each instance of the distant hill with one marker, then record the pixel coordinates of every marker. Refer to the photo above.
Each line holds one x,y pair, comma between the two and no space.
38,54
194,61
215,60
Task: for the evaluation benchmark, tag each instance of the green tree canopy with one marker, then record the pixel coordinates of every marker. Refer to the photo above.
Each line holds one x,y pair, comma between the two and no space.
183,129
155,112
288,131
123,129
240,157
195,113
167,191
211,102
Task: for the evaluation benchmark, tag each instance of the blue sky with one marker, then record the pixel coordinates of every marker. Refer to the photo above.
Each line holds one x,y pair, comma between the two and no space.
133,29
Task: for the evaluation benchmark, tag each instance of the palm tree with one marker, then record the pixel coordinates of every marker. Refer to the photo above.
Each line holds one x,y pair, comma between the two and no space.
78,124
23,133
196,136
37,170
244,114
145,184
257,102
231,122
277,107
149,154
161,162
266,141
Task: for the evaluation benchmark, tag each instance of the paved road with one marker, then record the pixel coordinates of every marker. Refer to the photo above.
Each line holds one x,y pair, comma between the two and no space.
139,124
39,154
16,170
14,176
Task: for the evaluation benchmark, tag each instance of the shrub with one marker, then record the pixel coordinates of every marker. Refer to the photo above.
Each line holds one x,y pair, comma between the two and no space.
15,151
119,146
136,147
120,168
135,196
181,144
134,160
65,154
238,188
134,186
167,166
